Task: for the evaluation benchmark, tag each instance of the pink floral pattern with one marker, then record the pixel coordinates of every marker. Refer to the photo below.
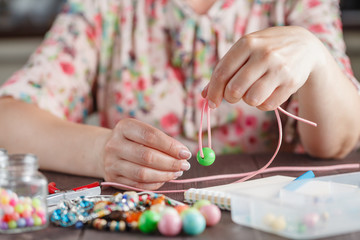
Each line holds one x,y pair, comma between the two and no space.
151,59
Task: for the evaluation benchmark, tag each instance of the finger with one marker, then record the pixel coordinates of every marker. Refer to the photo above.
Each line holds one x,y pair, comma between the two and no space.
146,186
247,75
149,157
204,91
278,97
260,90
147,135
233,60
143,174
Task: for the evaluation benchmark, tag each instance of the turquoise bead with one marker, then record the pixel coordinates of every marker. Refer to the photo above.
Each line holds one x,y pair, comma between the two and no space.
209,157
193,222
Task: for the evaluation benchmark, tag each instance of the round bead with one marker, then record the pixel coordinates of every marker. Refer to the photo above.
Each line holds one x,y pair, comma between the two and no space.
79,224
209,157
12,224
148,221
201,203
181,208
187,211
279,224
211,213
19,208
29,222
157,208
193,223
170,224
36,202
169,210
21,222
37,221
3,226
311,219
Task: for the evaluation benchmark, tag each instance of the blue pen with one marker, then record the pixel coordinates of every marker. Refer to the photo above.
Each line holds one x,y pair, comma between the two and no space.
295,183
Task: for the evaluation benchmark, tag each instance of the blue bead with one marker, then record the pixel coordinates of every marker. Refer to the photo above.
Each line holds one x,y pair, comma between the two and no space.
193,223
21,222
79,225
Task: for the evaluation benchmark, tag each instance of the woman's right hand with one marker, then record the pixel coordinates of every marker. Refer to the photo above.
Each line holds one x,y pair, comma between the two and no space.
139,155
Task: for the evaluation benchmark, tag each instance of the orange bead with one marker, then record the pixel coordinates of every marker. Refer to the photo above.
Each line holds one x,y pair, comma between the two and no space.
158,200
133,217
181,208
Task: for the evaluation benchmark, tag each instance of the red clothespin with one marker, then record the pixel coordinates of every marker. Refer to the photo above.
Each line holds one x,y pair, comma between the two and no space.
52,188
91,185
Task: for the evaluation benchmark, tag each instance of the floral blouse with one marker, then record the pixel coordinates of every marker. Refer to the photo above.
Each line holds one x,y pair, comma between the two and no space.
150,60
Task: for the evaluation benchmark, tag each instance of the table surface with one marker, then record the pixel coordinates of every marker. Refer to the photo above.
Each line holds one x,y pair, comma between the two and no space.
226,229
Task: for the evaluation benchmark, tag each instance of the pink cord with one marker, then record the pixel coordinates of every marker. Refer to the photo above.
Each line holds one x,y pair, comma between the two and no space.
205,105
248,175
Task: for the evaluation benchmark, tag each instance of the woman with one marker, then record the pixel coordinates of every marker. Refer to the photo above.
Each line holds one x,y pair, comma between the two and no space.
143,66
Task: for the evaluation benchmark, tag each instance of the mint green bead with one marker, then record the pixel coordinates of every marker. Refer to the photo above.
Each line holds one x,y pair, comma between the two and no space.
148,221
209,157
201,203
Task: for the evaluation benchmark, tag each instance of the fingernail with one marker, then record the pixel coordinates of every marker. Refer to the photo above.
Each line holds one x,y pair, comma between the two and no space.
185,154
185,166
211,104
178,174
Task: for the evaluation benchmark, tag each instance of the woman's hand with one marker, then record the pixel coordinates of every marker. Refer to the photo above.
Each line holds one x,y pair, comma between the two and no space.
139,155
265,68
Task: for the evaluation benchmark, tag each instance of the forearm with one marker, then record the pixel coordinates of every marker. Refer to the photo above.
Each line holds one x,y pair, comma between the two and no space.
329,99
59,144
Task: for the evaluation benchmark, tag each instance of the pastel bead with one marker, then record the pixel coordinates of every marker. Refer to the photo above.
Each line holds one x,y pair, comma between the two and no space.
21,222
12,224
279,224
148,221
201,203
311,219
170,224
4,226
19,208
188,210
29,222
169,210
36,203
209,157
193,223
157,207
211,213
37,221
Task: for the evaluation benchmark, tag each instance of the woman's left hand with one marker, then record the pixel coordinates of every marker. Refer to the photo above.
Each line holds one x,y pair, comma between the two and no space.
265,68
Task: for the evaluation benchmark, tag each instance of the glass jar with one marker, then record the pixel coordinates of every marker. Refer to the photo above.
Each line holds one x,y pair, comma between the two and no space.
23,192
3,151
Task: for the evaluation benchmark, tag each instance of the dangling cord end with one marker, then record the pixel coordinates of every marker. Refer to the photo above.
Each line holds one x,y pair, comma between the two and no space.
200,129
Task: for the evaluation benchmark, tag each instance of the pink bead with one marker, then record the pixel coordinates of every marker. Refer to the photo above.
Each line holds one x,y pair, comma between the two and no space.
13,202
26,214
43,220
40,213
170,224
211,213
311,219
8,209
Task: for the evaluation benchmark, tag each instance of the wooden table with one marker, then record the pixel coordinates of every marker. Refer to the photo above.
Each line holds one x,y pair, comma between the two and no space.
226,229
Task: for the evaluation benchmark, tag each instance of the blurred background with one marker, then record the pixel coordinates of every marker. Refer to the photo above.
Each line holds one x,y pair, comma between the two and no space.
23,23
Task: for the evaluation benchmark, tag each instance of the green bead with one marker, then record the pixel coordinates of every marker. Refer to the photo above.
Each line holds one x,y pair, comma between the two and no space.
209,157
148,221
201,203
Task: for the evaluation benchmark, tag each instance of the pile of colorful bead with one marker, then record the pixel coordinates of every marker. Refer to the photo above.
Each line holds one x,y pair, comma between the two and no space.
18,213
131,211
